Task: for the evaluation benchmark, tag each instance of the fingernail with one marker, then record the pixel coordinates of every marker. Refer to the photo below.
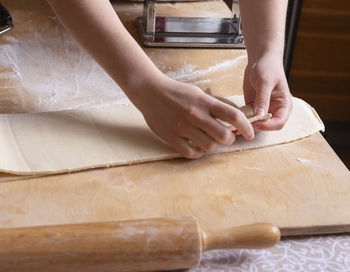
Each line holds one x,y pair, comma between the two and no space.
260,111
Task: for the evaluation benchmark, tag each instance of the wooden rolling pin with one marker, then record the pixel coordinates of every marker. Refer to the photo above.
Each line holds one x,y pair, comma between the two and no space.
135,245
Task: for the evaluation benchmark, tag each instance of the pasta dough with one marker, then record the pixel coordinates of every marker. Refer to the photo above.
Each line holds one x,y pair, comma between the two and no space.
56,142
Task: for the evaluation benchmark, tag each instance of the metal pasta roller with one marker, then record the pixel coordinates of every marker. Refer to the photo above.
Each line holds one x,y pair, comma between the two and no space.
189,31
5,20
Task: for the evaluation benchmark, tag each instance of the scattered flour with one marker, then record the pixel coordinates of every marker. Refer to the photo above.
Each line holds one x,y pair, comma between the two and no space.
44,69
255,168
47,67
304,161
189,73
199,82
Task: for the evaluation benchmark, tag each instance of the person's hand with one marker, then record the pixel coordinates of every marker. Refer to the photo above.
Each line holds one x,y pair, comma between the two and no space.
266,89
185,117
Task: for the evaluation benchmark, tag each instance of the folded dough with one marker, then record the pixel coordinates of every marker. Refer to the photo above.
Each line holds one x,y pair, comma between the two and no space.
56,142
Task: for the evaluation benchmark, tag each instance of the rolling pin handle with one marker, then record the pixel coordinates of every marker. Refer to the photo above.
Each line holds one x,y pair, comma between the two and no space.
254,236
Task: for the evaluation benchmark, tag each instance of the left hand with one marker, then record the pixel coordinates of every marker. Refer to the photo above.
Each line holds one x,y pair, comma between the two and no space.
266,89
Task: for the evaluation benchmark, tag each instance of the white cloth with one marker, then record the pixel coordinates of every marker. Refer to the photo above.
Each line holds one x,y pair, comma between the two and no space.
326,253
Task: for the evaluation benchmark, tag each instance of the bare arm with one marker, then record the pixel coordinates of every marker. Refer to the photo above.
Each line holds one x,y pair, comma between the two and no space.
179,113
264,24
97,28
265,84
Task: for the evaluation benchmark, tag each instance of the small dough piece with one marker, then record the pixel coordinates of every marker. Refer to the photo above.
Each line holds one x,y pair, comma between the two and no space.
248,112
56,142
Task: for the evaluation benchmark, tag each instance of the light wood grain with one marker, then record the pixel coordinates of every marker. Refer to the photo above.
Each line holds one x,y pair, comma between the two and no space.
294,186
297,186
135,245
140,245
253,236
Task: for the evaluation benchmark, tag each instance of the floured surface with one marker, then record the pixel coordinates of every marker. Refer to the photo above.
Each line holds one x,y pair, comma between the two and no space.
297,185
110,135
42,68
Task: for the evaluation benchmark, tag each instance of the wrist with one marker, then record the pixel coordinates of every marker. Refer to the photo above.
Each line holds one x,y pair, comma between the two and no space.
143,87
268,45
272,55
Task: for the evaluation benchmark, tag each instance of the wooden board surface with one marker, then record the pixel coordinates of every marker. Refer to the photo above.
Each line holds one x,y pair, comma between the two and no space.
296,186
302,186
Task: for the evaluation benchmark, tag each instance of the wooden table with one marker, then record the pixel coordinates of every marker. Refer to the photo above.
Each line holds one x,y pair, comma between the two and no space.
301,186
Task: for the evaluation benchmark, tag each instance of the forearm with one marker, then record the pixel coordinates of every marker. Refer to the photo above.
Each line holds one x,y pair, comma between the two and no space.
263,27
179,113
97,27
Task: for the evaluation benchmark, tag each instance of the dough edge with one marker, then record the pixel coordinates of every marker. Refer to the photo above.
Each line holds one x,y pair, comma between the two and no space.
317,126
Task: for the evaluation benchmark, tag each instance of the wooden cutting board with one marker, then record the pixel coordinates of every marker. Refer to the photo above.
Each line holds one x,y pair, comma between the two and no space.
302,186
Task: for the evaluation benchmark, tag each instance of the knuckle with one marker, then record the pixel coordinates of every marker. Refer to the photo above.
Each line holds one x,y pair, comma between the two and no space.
215,105
238,117
226,136
193,114
211,146
192,153
188,153
180,126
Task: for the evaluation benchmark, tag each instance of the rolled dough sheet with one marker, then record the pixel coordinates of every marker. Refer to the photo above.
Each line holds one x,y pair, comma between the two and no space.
65,141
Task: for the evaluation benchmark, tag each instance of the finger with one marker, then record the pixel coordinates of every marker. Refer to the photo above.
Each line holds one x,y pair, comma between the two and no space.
233,116
201,140
278,120
182,146
216,130
280,108
249,92
263,86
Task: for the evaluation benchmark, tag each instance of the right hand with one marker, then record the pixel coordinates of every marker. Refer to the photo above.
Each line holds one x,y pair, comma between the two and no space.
185,117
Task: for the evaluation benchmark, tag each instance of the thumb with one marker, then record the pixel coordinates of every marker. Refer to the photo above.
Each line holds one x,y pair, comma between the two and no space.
263,87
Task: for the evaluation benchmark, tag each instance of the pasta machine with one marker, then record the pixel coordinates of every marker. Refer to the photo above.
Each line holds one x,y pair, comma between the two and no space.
189,31
5,20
